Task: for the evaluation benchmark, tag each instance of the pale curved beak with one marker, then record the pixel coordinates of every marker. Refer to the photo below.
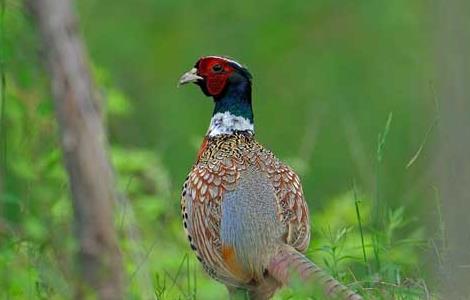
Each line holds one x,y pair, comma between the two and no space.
190,76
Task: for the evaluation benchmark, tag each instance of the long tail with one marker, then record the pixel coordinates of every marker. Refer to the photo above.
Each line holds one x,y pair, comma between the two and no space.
291,262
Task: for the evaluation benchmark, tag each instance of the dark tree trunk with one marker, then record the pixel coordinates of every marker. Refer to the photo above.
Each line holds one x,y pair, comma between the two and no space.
453,45
83,142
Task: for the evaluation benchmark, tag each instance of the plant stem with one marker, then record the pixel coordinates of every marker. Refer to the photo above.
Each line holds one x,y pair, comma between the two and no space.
359,221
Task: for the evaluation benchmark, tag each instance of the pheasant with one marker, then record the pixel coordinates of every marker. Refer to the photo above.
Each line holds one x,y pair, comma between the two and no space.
243,210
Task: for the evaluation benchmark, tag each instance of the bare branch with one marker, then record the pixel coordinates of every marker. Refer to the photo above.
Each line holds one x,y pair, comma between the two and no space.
453,166
83,142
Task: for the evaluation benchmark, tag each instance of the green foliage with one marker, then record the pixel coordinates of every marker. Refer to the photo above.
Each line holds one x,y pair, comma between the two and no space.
326,75
341,249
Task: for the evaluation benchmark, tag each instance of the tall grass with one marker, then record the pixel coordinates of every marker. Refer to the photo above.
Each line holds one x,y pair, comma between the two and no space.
379,207
3,86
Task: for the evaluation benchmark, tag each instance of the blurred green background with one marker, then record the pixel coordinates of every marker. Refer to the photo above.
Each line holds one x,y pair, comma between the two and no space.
327,74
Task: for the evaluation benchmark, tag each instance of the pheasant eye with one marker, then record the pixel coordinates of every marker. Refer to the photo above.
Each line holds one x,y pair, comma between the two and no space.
217,68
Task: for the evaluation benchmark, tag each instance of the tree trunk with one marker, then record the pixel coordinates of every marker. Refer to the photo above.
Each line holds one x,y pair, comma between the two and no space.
453,46
83,142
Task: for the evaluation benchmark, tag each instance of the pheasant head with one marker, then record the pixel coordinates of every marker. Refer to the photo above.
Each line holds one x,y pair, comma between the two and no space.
229,84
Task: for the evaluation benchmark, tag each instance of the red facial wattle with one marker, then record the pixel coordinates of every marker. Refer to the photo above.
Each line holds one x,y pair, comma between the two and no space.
215,84
216,72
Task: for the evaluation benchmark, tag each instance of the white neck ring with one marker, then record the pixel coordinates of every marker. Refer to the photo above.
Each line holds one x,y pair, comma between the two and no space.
227,123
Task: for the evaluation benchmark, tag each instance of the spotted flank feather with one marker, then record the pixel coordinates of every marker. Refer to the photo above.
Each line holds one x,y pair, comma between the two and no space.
221,162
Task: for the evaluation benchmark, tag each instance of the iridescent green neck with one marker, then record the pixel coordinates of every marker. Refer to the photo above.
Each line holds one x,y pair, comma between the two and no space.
236,100
233,111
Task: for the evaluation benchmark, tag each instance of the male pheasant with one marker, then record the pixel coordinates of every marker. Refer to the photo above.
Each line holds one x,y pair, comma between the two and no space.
243,210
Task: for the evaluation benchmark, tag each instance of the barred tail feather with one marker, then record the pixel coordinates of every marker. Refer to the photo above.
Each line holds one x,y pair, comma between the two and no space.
290,262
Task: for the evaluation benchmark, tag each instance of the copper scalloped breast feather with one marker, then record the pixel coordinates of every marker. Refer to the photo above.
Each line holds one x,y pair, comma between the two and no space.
220,162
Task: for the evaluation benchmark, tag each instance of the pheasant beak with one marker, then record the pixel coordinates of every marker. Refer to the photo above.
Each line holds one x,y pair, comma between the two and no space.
190,76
